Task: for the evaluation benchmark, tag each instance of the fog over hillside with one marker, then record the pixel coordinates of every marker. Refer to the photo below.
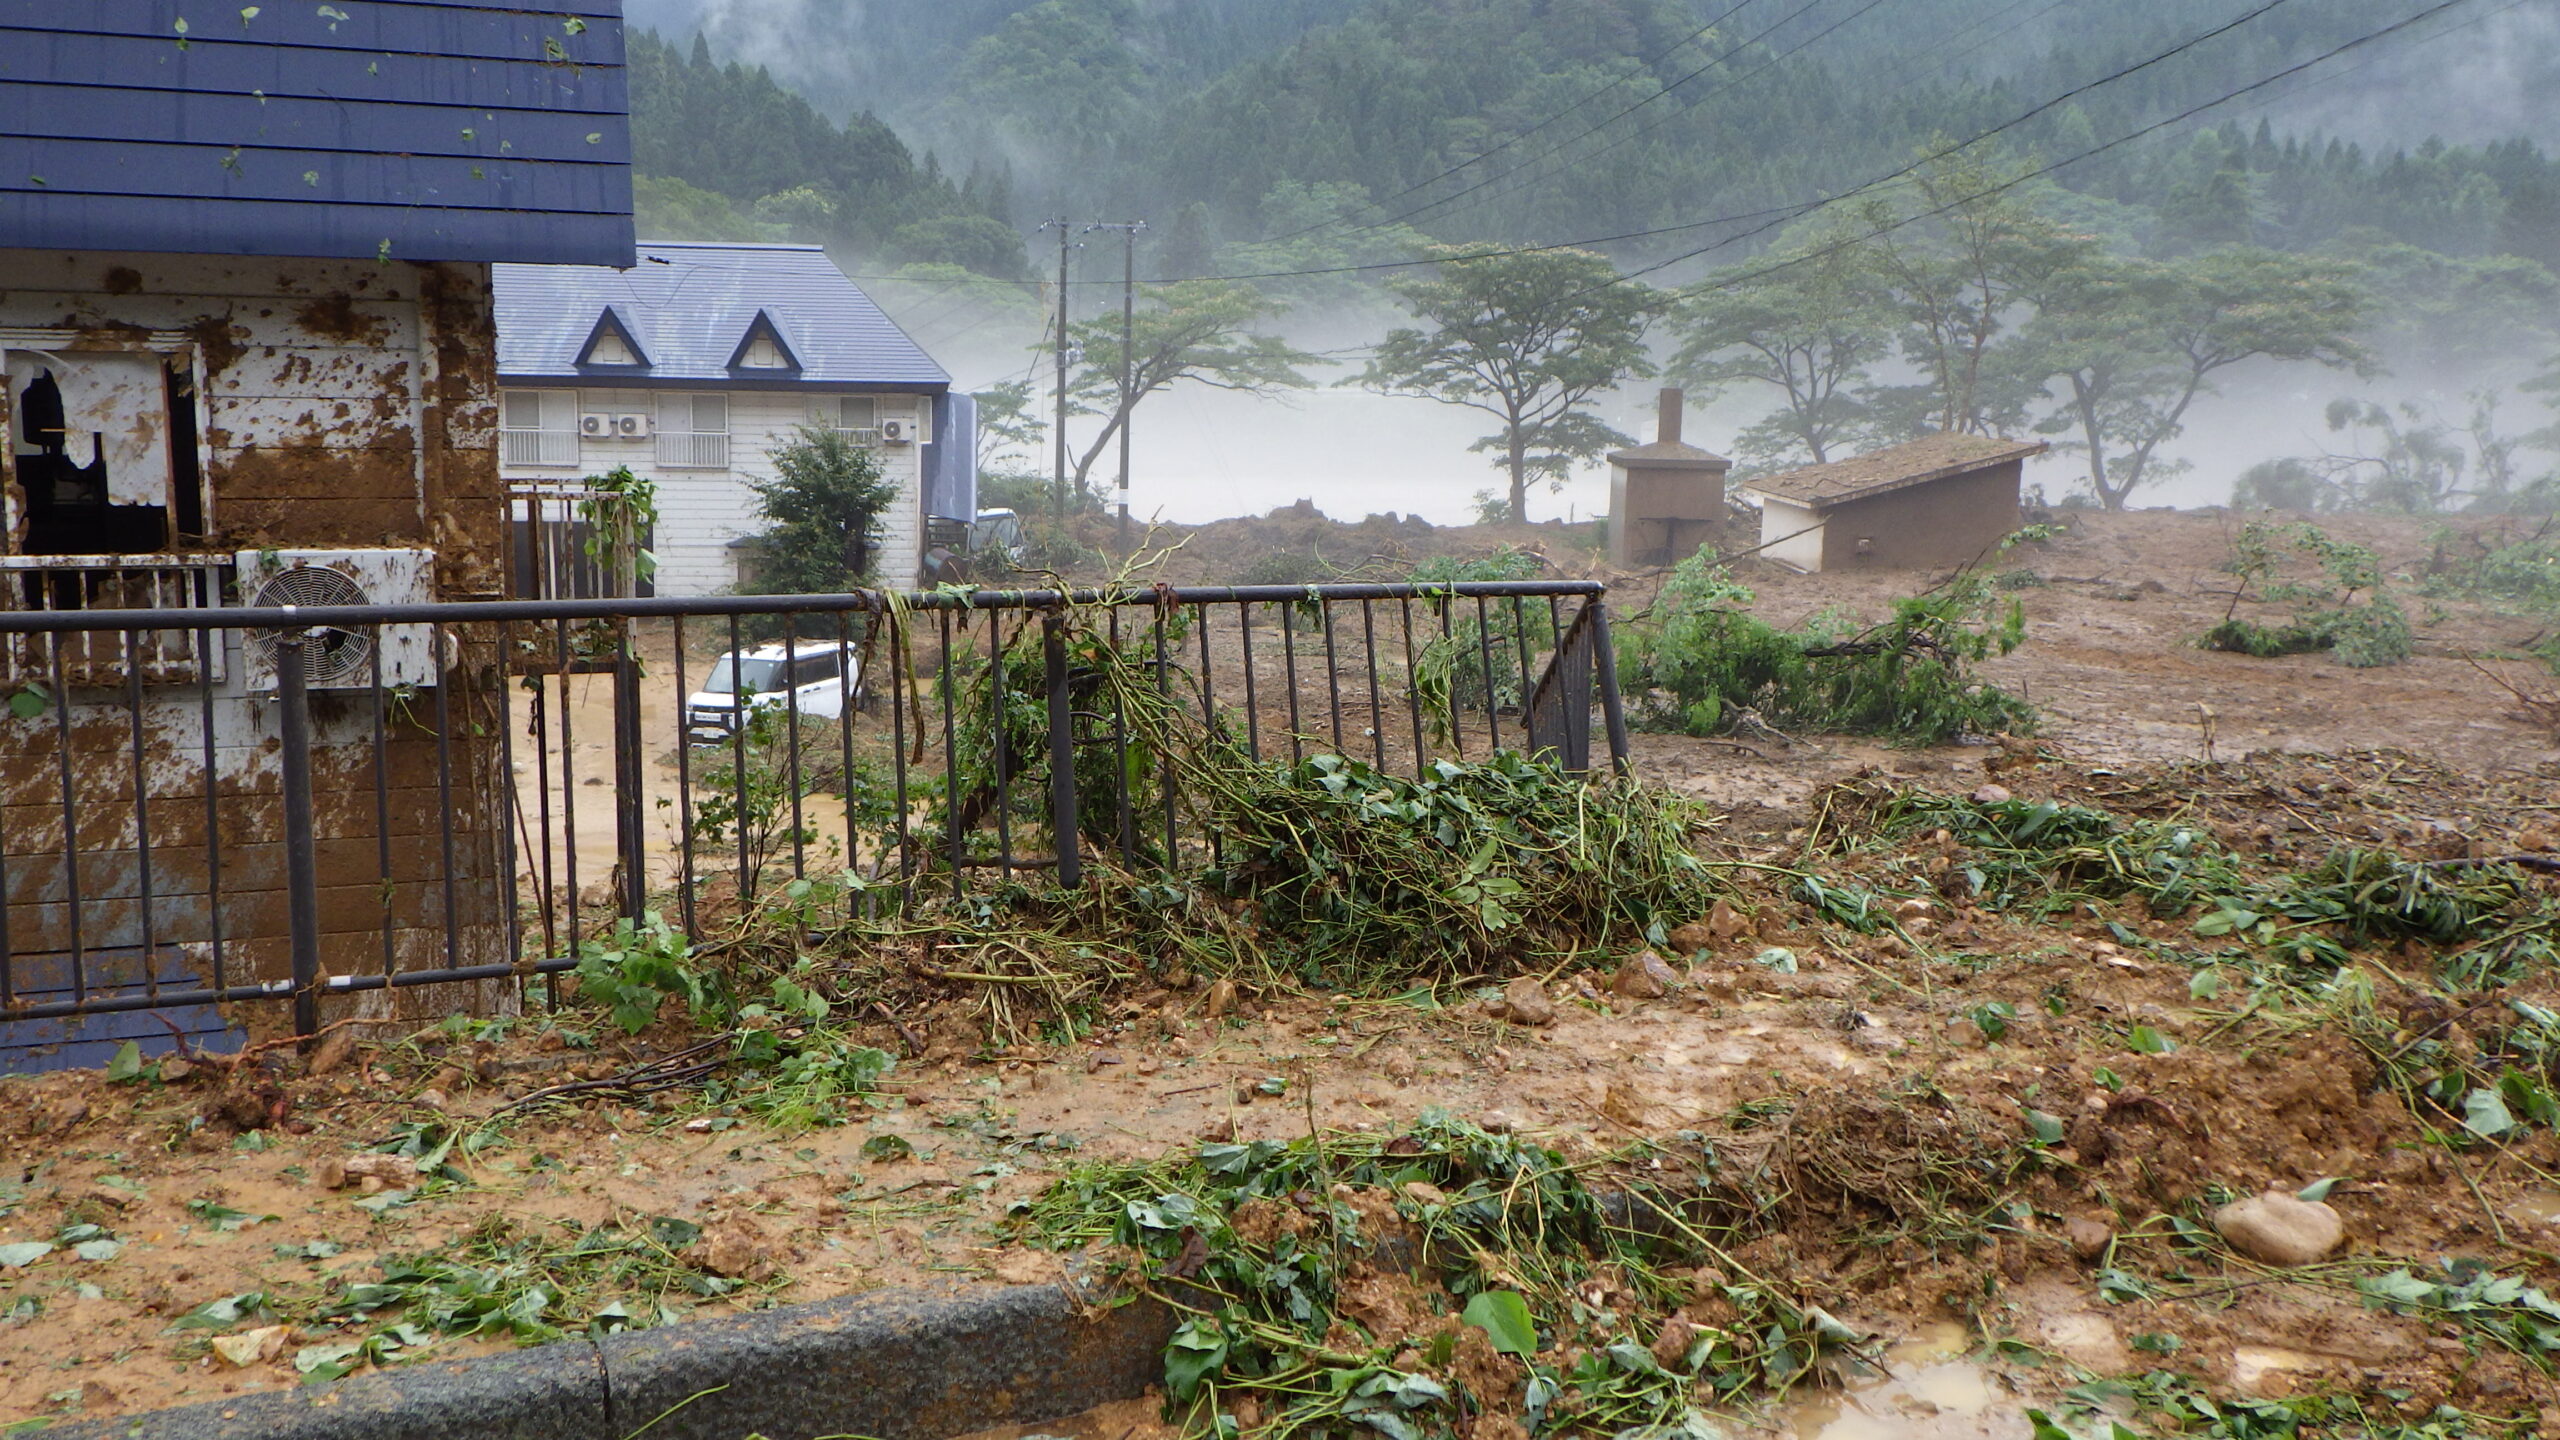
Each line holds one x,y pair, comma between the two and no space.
1316,146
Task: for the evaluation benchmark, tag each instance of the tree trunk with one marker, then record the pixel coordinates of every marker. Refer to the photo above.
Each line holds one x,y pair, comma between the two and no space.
1519,477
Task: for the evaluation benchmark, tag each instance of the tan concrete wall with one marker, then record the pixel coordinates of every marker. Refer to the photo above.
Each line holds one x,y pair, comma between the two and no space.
1947,522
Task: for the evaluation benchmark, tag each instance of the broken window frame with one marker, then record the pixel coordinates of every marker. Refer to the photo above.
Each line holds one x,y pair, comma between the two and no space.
183,573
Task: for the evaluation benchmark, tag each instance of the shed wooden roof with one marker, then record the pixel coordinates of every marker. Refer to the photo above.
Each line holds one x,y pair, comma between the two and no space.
1896,467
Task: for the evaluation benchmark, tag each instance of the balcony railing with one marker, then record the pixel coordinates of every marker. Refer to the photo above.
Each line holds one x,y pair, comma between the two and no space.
693,450
111,582
539,447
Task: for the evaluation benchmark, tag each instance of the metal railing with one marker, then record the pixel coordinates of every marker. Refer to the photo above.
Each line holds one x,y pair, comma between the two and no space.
573,764
539,447
694,449
53,583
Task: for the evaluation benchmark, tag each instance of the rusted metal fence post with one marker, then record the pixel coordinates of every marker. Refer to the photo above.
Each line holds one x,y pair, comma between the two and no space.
1613,709
1062,750
630,836
301,868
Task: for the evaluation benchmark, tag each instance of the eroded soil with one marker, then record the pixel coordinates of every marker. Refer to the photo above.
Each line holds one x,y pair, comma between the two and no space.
1868,1108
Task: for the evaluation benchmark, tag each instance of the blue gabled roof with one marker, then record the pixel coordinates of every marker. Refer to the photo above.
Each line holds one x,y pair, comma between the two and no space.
413,129
691,308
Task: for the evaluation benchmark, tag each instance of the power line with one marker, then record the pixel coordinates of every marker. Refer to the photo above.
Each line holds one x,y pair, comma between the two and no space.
1805,207
1796,209
2039,172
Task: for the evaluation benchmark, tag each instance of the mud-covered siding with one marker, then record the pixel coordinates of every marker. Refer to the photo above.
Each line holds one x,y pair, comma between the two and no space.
344,405
374,897
1954,521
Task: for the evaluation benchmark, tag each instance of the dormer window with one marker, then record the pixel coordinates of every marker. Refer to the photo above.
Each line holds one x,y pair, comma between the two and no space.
763,348
612,346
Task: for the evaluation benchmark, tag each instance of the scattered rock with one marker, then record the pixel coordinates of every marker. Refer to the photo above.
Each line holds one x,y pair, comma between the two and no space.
395,1172
1691,938
1874,1040
1620,1102
449,1079
1644,976
1990,794
250,1347
2089,1238
176,1070
734,1248
336,1051
1724,922
2279,1229
1423,1192
1963,1031
433,1098
1525,1002
1671,1346
1148,1064
1222,999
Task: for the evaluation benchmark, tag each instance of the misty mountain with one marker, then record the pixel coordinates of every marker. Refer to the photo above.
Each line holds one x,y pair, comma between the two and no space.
1242,127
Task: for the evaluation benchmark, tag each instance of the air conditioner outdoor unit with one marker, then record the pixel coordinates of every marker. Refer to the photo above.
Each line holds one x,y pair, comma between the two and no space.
631,427
897,432
340,657
595,427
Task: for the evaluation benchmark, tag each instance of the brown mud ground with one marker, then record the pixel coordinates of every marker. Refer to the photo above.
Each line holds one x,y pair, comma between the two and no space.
1846,1100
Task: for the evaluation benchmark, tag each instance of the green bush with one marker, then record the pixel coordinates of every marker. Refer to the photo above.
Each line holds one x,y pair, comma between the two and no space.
1703,659
2322,577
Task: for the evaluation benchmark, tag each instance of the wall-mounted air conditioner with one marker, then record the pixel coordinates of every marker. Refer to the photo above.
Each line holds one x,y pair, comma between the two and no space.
595,427
895,431
631,427
340,657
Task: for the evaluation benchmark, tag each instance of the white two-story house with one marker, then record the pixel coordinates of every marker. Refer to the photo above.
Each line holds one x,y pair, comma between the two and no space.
691,368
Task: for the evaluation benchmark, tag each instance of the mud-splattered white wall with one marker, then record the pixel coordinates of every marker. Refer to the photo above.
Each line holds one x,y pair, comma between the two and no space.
318,404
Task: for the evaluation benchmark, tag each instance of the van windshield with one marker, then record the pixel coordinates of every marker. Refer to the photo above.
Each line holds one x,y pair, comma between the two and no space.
762,677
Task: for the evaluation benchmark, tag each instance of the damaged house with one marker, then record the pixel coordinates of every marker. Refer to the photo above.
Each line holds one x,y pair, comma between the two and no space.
250,351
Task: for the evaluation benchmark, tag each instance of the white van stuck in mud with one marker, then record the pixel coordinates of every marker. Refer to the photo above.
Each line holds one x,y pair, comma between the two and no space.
816,678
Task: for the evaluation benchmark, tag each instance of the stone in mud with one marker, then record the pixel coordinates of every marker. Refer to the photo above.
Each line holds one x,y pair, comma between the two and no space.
1671,1347
335,1051
2280,1229
2089,1238
1691,938
1990,794
1644,976
1525,1002
1724,922
1222,999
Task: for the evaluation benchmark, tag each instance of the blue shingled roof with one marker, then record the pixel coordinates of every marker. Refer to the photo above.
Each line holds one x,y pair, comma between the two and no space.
691,307
413,129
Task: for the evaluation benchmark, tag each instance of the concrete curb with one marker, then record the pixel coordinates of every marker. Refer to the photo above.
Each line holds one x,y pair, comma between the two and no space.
894,1365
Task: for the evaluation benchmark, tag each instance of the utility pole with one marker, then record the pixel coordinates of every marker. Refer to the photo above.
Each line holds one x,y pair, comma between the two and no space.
1059,428
1128,339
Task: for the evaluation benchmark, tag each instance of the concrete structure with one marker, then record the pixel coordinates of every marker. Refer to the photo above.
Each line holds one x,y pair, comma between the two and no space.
1939,500
691,368
1665,499
245,310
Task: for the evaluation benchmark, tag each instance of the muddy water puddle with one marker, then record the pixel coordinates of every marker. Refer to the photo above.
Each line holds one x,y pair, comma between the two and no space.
1929,1391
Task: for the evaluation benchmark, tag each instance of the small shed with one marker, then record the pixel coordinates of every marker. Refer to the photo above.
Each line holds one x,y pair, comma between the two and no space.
1666,498
1939,500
